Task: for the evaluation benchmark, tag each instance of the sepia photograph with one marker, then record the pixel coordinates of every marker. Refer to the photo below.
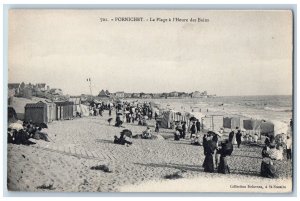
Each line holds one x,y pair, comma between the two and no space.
145,100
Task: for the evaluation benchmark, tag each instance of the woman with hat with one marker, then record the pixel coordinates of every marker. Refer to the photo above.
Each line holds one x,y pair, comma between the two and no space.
210,148
226,150
267,168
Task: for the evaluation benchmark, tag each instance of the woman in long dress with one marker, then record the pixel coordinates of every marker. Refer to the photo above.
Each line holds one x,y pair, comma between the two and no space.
267,168
225,151
211,146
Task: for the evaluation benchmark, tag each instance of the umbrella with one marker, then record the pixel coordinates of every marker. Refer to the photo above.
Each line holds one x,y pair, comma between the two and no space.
193,119
15,126
214,133
127,112
119,113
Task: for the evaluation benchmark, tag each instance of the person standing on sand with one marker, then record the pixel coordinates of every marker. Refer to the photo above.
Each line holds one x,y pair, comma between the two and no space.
156,127
210,150
288,148
198,125
183,129
193,129
109,111
231,135
238,138
226,150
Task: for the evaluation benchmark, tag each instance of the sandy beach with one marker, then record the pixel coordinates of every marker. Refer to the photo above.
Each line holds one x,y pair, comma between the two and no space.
67,163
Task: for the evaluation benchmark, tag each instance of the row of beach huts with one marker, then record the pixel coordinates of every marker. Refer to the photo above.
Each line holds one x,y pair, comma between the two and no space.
169,118
46,111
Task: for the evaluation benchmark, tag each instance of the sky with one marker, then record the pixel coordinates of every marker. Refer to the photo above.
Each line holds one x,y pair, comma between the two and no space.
234,53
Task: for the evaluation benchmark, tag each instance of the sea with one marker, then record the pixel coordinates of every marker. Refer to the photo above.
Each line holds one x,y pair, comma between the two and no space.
276,109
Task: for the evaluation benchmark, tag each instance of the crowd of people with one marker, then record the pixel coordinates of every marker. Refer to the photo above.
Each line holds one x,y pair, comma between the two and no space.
21,133
133,112
217,151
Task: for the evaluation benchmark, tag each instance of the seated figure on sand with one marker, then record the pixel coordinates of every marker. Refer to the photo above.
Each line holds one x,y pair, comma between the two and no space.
177,135
39,135
119,122
121,140
147,133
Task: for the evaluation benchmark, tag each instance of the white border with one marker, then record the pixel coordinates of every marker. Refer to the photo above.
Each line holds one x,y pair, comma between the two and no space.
111,2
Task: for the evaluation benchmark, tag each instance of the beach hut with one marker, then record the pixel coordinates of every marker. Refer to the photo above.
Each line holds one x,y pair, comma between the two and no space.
51,110
267,128
77,101
251,124
83,110
64,110
231,122
259,126
36,112
169,117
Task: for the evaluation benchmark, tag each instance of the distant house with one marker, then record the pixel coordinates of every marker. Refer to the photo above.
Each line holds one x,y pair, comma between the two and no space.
120,94
127,95
156,95
173,94
15,87
204,93
41,86
183,95
107,92
135,95
146,96
102,94
11,92
27,93
196,94
55,91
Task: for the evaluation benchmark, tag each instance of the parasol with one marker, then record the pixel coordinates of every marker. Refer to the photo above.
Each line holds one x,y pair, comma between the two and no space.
15,126
214,133
193,119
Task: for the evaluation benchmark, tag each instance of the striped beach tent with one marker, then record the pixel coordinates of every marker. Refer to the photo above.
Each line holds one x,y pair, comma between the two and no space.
169,117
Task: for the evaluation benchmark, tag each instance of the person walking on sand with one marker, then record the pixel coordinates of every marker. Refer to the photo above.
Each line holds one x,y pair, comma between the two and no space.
238,138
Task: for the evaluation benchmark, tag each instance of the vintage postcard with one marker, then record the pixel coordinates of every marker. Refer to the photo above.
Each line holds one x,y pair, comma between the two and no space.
122,100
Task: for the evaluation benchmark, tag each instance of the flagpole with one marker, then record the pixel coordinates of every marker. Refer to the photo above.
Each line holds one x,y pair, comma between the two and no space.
90,85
